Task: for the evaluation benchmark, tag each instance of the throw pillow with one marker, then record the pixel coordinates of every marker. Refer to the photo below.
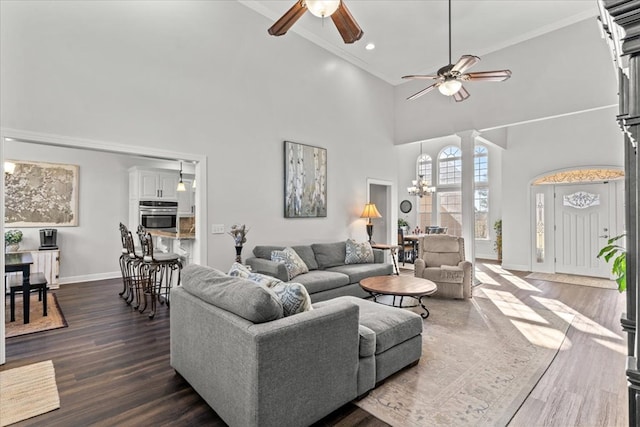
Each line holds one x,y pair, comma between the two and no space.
293,296
358,253
240,270
292,261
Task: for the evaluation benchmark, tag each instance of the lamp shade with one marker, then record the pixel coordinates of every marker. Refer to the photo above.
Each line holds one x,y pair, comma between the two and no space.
450,87
322,8
370,211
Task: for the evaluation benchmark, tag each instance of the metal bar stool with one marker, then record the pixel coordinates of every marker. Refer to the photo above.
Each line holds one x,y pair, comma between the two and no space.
157,272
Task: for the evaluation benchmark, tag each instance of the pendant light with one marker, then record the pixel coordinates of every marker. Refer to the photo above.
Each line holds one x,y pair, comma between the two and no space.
181,186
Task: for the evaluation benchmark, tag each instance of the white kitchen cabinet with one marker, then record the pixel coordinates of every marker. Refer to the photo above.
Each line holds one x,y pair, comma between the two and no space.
153,184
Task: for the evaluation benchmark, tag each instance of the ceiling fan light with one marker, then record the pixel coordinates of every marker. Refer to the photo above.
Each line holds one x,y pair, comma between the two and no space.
322,8
450,87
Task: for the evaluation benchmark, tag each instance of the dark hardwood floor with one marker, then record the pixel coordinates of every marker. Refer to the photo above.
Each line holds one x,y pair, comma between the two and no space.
112,365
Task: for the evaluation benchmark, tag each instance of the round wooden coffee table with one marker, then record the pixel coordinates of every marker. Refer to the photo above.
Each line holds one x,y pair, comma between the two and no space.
400,286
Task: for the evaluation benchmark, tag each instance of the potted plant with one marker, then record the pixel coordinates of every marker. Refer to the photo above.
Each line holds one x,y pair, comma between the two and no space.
12,239
619,255
402,223
497,244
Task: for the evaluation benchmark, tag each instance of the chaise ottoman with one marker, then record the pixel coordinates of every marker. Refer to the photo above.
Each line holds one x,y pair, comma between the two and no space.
393,336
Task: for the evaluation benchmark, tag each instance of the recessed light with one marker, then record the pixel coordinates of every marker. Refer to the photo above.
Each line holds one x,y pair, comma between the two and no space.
370,46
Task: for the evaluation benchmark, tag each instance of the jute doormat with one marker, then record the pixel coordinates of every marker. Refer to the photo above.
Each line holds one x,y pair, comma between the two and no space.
572,279
478,365
37,323
27,391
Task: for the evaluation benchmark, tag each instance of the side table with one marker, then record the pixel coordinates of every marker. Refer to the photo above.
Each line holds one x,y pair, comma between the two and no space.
393,249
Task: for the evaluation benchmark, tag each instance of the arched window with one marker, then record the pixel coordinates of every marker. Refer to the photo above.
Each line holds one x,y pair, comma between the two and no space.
450,196
450,166
481,192
481,164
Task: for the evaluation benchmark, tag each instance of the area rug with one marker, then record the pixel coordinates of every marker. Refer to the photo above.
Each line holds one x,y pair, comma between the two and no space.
481,359
27,391
37,323
571,279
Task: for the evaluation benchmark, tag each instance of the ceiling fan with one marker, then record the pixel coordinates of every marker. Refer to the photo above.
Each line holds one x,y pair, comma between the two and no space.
450,77
340,15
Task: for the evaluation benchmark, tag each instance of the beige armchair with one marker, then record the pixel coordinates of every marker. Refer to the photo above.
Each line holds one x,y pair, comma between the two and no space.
441,260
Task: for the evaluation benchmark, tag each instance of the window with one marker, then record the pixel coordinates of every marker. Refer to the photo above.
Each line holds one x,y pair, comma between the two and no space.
450,166
539,227
481,209
451,211
481,193
425,204
424,167
481,164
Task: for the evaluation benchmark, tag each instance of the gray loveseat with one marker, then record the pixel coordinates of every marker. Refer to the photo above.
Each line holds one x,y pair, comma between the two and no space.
328,275
257,368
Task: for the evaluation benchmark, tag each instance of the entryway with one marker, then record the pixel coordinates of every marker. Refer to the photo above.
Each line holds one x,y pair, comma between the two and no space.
574,213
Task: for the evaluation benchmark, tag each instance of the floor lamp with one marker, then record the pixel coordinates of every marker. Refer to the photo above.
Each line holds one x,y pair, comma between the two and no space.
370,211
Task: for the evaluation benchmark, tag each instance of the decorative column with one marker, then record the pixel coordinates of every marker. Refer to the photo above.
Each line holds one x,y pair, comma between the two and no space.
620,21
467,145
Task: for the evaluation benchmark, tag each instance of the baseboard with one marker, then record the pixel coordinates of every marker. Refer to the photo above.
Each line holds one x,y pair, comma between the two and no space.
90,277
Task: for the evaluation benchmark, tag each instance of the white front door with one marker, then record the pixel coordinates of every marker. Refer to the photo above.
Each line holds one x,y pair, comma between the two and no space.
582,228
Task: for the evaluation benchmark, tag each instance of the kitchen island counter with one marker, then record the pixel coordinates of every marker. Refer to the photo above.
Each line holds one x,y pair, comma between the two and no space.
172,235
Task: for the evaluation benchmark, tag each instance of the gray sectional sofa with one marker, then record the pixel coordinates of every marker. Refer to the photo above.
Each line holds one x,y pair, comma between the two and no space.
254,367
328,276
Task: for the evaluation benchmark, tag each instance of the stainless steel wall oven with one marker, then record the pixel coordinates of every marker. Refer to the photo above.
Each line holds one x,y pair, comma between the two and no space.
159,215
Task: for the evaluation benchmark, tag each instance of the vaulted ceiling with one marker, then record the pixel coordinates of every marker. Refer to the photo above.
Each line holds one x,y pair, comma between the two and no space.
411,36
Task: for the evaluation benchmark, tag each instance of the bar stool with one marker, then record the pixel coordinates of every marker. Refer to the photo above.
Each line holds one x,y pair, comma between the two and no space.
124,262
157,272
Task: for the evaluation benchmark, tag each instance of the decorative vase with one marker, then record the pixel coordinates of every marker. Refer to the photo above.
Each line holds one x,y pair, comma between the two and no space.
238,253
12,247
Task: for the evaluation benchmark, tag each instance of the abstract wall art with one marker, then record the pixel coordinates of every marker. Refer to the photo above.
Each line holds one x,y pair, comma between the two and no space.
41,194
305,181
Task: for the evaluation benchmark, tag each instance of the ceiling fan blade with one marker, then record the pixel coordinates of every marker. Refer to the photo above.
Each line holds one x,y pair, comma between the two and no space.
464,63
346,25
461,95
283,24
424,91
421,76
488,76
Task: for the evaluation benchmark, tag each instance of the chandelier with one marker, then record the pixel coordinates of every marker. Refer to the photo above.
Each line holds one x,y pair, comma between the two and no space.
420,187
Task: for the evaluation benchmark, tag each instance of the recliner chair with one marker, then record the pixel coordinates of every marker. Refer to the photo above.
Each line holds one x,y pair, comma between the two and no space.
441,260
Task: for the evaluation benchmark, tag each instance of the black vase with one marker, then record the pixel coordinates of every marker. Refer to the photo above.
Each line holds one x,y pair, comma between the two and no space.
238,253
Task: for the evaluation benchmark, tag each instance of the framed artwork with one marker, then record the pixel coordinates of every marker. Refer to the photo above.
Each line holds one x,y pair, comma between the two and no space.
305,181
41,195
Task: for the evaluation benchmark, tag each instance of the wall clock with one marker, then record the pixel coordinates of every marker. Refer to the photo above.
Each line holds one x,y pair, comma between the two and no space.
405,206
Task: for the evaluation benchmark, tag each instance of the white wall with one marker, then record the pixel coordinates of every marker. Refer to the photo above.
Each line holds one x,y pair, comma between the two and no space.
560,72
90,250
206,78
589,139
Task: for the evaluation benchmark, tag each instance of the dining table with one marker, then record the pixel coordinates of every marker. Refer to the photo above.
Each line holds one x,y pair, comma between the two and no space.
16,262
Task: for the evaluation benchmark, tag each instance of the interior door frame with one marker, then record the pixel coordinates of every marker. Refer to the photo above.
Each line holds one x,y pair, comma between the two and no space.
391,205
200,248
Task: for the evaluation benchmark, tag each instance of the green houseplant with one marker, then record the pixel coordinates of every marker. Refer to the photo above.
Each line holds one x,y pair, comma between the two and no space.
497,244
619,256
12,239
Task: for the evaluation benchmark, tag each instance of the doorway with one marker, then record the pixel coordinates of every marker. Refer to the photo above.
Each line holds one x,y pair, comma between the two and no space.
380,193
582,227
573,214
